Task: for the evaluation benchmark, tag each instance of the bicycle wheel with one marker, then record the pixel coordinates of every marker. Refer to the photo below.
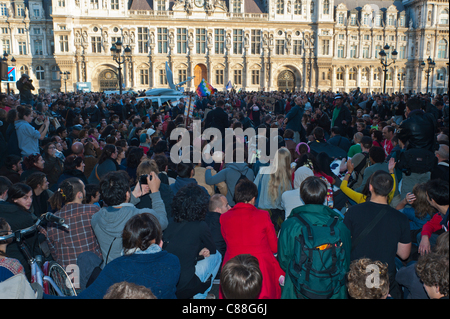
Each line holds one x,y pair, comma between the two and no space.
61,279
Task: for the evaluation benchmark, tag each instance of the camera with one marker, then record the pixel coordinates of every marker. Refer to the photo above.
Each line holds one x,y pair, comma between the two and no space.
143,179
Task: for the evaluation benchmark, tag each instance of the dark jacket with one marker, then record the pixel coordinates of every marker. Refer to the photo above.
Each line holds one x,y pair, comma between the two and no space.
166,196
18,219
344,114
68,173
294,117
419,131
25,89
217,118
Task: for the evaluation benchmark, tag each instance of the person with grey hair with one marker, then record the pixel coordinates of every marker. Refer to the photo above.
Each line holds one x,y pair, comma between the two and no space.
441,169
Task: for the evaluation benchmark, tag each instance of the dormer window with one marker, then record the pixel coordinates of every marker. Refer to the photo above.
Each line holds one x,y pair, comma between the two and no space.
326,7
161,5
280,6
237,6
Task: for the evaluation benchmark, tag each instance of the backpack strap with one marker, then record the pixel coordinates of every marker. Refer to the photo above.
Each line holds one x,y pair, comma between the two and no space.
369,228
308,227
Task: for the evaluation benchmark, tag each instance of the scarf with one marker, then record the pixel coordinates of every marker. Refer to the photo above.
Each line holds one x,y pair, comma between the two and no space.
335,115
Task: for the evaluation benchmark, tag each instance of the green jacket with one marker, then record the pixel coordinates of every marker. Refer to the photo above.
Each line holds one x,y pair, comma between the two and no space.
316,214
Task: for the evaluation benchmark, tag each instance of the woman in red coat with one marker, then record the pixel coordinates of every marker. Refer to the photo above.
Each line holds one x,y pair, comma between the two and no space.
248,230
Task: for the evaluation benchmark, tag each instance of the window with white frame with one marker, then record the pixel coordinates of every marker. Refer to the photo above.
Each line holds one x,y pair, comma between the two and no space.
325,47
114,4
297,47
40,74
200,39
443,18
340,51
255,77
442,49
219,41
96,44
64,43
366,52
143,76
237,77
142,40
22,47
237,41
37,44
279,47
297,8
237,5
340,74
280,6
341,18
326,7
161,5
3,9
182,75
94,4
256,41
162,40
162,77
219,77
182,40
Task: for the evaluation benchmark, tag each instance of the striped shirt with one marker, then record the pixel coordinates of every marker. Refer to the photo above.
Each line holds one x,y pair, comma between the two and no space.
67,244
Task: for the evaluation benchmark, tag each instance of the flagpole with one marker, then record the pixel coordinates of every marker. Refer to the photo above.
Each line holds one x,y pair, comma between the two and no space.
188,110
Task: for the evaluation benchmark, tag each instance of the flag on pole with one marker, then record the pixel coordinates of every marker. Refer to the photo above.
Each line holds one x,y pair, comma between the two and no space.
204,89
229,85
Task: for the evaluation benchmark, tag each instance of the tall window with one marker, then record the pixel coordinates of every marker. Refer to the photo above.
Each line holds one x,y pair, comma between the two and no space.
353,51
182,40
401,75
22,48
161,5
279,47
340,52
256,41
326,47
219,41
353,19
237,41
20,10
162,77
340,74
366,19
61,3
352,74
298,7
219,77
280,6
402,52
341,18
143,40
200,39
297,47
40,75
442,49
237,4
443,19
237,77
162,40
366,52
37,47
96,44
143,75
3,9
64,43
255,77
94,4
365,74
377,51
182,75
391,20
326,7
114,4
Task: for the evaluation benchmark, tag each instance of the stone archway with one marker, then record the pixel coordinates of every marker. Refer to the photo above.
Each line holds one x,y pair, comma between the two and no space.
108,80
286,81
200,72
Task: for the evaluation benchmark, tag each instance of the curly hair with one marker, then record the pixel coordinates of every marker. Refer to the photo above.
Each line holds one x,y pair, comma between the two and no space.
190,204
432,270
358,279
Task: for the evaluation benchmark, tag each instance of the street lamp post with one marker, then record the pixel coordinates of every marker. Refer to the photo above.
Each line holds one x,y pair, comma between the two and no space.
384,62
66,77
431,65
116,50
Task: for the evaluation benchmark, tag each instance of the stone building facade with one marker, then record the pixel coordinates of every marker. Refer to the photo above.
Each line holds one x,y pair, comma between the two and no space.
303,45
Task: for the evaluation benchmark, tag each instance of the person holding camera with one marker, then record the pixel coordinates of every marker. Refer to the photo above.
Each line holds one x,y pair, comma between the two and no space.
25,86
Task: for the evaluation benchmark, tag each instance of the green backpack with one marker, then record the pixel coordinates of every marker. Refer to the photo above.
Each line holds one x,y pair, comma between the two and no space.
317,269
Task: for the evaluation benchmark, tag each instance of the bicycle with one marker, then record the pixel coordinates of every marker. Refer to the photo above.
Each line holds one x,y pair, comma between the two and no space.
51,278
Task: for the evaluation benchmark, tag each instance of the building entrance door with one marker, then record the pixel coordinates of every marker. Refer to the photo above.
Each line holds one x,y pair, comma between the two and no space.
108,81
200,72
286,81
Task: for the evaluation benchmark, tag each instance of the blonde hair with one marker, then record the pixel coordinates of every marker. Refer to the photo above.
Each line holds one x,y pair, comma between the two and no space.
282,175
146,167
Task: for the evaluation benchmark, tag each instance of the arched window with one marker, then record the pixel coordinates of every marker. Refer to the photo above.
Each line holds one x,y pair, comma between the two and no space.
23,70
340,74
442,49
40,75
401,75
440,75
352,74
365,74
443,19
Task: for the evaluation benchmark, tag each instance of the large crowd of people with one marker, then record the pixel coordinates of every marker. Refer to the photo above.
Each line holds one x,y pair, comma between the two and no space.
359,191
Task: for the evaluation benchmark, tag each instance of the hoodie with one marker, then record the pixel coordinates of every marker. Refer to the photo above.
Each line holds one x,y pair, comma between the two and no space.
230,174
180,182
28,138
109,222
